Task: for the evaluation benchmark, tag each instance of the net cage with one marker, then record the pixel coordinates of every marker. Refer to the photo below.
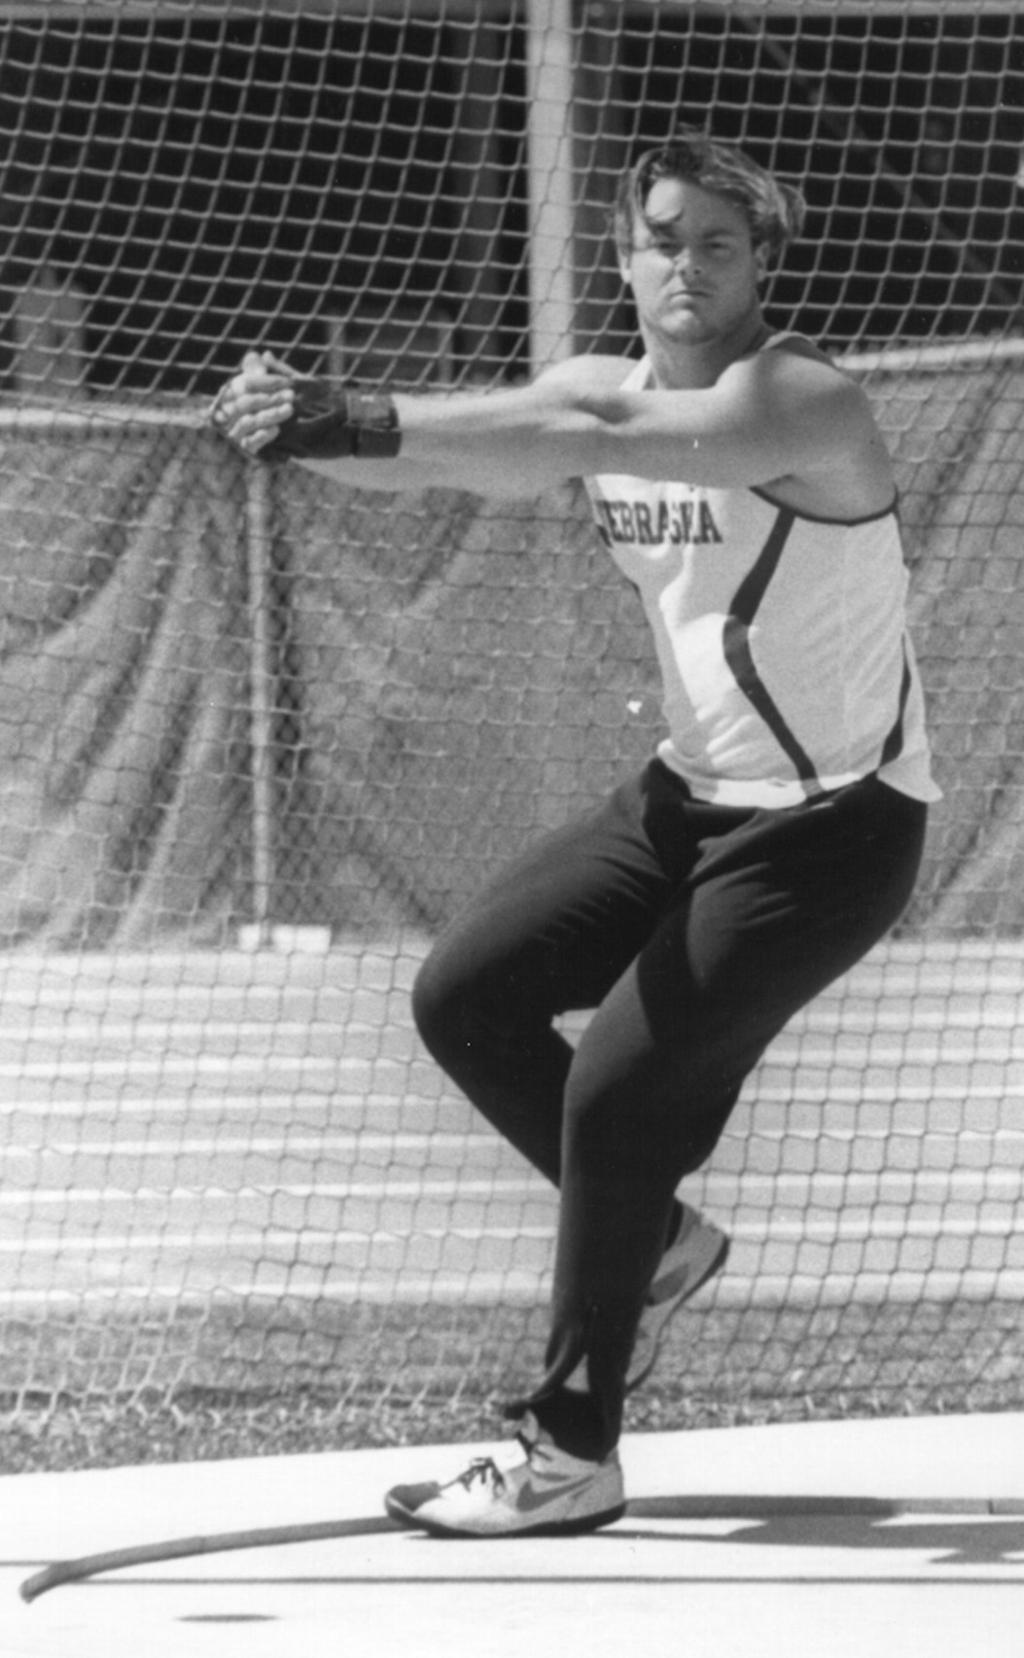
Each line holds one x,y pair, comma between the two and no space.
261,736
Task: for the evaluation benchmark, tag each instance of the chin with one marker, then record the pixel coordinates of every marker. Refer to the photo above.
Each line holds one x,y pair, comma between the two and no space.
688,330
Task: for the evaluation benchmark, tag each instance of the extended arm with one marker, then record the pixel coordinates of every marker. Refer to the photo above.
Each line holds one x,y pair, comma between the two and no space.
768,417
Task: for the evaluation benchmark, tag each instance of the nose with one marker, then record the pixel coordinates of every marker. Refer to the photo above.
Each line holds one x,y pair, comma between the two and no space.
687,259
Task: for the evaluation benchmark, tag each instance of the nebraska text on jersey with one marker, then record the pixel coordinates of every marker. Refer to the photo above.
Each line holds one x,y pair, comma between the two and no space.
781,639
631,521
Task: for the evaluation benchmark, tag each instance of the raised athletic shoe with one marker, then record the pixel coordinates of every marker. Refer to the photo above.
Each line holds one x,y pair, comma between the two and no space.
549,1493
698,1251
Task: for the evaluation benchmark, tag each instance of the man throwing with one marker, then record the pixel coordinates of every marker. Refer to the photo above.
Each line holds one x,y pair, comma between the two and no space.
739,481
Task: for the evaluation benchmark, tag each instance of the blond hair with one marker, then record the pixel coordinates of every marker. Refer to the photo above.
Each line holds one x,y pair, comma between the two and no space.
773,210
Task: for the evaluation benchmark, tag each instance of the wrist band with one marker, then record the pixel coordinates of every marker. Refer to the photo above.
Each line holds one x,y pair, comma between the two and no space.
373,419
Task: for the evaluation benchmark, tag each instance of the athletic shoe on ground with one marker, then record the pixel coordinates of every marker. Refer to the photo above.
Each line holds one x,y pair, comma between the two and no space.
549,1493
698,1252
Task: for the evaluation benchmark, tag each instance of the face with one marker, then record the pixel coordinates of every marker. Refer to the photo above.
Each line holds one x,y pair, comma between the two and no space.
693,267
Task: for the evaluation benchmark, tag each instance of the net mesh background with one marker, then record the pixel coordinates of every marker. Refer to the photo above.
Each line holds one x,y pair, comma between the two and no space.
260,736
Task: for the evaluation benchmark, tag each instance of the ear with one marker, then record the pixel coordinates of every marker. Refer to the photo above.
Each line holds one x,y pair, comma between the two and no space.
761,261
625,266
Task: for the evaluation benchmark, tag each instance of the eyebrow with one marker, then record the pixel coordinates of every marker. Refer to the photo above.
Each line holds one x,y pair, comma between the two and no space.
669,227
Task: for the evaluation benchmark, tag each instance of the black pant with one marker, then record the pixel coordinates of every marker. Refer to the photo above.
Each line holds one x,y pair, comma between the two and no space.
695,931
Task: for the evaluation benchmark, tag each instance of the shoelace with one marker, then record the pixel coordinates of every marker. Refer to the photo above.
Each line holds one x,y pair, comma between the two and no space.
481,1468
486,1469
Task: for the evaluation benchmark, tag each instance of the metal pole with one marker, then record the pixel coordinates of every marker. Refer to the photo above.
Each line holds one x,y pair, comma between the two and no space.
478,185
258,501
550,159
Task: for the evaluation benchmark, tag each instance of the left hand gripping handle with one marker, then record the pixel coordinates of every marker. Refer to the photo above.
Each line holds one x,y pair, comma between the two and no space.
331,422
328,422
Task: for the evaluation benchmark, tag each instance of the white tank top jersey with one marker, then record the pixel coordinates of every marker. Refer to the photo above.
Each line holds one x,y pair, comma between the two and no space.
781,638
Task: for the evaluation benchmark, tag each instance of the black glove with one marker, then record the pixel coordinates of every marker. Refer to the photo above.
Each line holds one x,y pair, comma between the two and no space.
330,422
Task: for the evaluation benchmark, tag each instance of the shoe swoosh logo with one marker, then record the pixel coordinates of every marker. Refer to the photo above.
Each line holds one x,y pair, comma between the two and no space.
531,1497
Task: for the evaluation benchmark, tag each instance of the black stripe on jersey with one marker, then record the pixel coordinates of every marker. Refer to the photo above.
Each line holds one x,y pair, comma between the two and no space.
893,744
736,644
